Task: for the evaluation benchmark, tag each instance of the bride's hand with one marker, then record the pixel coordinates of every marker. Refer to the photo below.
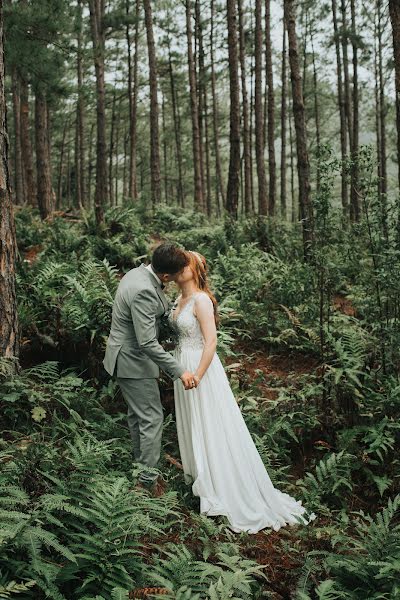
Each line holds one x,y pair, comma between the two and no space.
197,379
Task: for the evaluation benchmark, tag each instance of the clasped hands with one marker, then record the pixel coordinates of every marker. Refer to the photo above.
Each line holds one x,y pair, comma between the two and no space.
189,380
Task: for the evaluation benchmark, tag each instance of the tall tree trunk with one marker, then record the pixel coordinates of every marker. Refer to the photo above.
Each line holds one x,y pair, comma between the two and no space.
232,193
200,93
394,10
245,114
218,169
283,124
259,120
342,114
355,204
382,101
292,190
90,164
316,103
27,155
303,165
111,149
198,184
80,117
18,174
347,102
271,110
177,128
9,330
132,93
61,165
165,147
97,9
154,132
44,188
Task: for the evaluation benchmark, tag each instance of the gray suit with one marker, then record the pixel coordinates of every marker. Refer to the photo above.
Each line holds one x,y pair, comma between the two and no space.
134,356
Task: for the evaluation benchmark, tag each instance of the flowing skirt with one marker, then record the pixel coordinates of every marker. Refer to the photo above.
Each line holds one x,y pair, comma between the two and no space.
219,456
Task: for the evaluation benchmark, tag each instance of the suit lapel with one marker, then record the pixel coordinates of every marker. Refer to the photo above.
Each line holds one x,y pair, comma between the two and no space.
157,286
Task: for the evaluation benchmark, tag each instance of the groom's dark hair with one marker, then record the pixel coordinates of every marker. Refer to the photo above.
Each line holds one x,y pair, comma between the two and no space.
169,258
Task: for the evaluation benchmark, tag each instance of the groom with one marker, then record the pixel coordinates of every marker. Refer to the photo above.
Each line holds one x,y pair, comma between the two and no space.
134,355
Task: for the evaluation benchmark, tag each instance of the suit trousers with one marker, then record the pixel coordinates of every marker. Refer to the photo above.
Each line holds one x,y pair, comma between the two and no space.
145,421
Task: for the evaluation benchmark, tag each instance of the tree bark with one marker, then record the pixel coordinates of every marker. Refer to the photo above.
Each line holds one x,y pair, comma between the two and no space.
342,113
271,110
177,127
394,10
44,187
80,118
27,154
283,124
303,165
198,184
154,131
96,8
382,104
245,114
232,193
354,200
132,94
220,194
259,119
9,329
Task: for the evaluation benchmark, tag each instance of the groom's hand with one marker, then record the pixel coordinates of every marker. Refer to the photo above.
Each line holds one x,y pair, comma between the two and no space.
188,380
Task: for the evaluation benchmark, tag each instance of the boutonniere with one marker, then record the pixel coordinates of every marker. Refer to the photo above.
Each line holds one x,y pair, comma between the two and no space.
168,331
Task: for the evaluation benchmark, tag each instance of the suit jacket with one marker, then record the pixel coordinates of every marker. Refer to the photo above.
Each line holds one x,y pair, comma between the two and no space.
132,345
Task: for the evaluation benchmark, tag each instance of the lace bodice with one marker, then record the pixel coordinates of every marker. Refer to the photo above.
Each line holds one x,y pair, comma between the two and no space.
188,327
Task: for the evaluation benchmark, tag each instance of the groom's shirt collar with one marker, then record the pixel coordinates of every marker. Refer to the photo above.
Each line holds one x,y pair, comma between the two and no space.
150,268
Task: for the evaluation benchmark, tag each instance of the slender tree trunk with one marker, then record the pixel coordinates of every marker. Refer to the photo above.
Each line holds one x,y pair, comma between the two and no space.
259,121
316,104
394,10
27,155
200,93
245,115
207,152
342,113
292,190
44,188
198,184
271,110
132,93
303,165
98,39
220,195
154,132
177,128
355,204
232,193
283,125
80,128
165,148
382,101
61,165
9,329
111,149
125,167
347,103
90,164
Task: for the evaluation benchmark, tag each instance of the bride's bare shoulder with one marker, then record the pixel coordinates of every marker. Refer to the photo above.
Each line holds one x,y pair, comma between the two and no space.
202,300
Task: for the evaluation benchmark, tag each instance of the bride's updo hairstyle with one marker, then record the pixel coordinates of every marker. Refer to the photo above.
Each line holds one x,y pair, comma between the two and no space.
198,264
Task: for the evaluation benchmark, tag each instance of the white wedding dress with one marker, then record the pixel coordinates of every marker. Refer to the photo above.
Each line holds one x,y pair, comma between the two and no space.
217,451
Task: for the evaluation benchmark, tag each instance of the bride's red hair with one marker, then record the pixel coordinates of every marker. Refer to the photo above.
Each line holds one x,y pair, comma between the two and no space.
199,267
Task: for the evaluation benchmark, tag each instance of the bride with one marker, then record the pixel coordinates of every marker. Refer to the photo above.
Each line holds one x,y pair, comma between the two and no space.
217,451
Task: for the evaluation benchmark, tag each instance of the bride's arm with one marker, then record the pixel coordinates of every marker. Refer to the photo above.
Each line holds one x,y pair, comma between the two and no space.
204,312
